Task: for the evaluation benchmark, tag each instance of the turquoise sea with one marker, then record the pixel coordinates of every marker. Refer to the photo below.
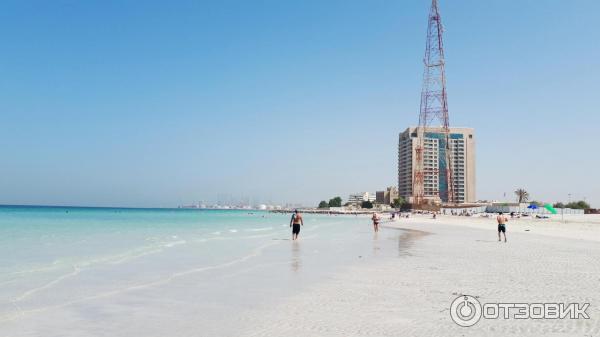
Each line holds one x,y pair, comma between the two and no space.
93,271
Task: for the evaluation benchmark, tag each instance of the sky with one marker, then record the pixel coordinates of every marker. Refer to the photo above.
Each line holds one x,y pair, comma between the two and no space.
163,103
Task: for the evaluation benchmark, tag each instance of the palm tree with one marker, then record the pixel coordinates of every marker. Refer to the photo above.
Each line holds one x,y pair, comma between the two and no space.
522,195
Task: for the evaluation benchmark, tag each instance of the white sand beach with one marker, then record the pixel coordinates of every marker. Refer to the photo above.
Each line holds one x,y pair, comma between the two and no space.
543,261
242,276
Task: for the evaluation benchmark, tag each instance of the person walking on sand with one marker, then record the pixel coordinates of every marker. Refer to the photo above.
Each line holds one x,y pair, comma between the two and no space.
375,219
502,225
295,223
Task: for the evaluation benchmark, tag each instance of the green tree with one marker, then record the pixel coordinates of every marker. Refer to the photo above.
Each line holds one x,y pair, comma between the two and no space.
578,205
367,204
323,204
559,205
398,202
522,195
537,203
335,202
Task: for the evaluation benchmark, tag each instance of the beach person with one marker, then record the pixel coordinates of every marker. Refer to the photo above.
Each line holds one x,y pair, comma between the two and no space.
375,219
295,223
501,225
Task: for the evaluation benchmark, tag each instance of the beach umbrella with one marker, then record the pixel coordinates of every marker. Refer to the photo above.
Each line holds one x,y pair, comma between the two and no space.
532,207
550,208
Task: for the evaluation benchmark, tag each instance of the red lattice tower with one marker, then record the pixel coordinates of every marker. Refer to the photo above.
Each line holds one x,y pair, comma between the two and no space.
434,107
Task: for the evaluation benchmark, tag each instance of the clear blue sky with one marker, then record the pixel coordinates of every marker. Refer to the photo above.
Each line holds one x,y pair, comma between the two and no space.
164,103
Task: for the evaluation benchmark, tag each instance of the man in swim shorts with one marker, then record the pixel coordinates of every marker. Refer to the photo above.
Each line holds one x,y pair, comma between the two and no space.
501,226
296,222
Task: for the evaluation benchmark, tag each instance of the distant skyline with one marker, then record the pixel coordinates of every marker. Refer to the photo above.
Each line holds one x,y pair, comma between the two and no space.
159,104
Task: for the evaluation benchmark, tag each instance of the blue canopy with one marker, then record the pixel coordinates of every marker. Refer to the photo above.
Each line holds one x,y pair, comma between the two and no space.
532,206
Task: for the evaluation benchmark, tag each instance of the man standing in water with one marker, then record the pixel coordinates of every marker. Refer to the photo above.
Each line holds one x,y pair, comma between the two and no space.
375,219
501,225
296,221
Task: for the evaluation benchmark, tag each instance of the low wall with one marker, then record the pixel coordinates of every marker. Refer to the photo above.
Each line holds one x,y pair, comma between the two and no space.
506,209
540,210
463,210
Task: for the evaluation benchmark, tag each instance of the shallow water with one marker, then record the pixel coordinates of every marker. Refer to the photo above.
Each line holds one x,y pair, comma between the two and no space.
124,272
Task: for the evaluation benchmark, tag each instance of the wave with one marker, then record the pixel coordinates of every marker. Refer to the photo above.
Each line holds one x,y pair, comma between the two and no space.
259,229
78,266
21,313
176,243
47,285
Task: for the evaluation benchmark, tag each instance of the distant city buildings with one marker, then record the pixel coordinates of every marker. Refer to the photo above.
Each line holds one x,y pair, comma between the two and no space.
462,145
263,207
241,206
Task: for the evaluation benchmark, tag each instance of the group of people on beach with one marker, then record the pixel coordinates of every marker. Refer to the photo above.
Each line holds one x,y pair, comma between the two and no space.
296,221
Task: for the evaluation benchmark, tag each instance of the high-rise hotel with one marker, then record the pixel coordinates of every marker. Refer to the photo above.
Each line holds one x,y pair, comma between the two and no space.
462,145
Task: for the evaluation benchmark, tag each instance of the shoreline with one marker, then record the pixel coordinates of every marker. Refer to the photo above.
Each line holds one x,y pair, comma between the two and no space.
328,212
166,272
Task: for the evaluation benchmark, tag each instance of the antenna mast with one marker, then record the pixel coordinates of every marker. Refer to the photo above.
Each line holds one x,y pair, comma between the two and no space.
434,107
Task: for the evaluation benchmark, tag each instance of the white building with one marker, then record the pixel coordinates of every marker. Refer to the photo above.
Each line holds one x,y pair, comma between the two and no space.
358,198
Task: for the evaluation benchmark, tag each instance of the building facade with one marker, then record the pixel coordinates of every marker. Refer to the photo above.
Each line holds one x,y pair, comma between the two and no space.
358,198
380,197
462,146
386,197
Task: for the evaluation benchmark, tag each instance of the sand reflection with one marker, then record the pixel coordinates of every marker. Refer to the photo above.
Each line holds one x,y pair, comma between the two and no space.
407,239
296,256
